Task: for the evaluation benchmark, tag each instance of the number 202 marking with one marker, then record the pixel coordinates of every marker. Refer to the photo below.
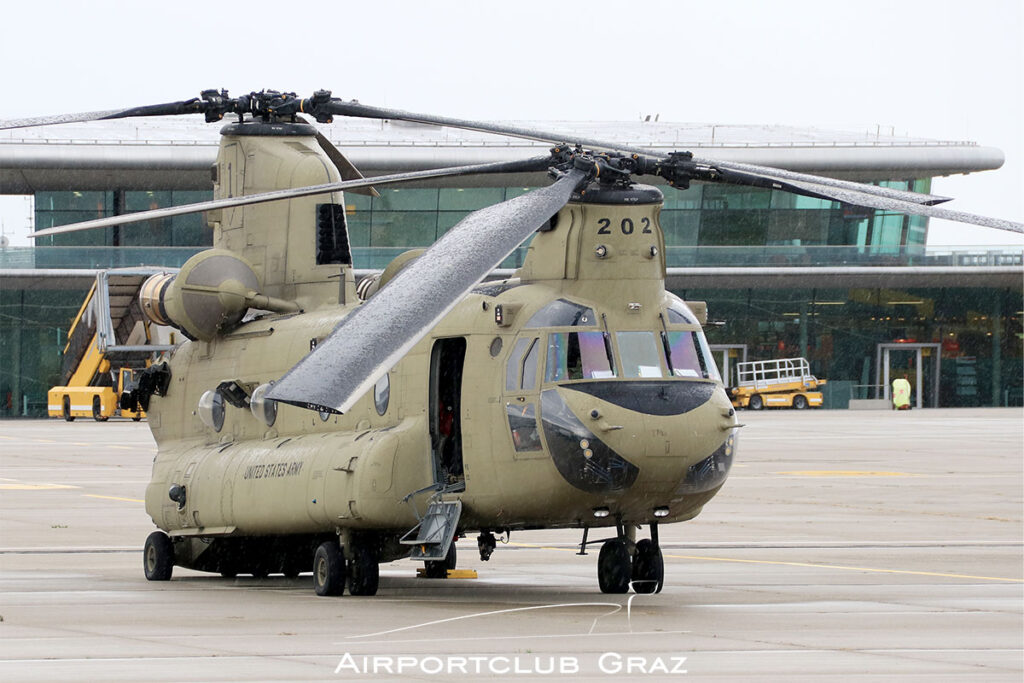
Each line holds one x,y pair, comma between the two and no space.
626,226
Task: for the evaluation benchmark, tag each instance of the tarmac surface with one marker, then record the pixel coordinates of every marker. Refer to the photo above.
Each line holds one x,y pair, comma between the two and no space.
846,545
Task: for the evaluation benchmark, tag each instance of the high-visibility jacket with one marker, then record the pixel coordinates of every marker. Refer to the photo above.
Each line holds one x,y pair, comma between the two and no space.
900,393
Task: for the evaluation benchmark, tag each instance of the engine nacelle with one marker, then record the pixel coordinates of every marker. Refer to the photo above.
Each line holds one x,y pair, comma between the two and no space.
208,296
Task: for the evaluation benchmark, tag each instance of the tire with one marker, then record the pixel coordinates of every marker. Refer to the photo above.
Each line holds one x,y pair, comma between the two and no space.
614,568
228,573
158,557
438,569
97,410
66,409
329,569
363,571
137,418
648,568
800,402
756,402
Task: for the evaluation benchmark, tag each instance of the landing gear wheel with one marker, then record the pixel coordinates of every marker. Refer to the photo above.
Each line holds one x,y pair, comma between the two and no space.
438,569
291,569
97,410
66,410
614,567
363,572
756,402
229,573
329,569
158,557
260,572
799,402
648,567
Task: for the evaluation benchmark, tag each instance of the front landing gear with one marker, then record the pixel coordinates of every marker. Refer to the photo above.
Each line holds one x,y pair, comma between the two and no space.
613,567
624,562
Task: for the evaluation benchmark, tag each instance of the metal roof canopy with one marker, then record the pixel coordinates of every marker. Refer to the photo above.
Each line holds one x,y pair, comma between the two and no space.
176,154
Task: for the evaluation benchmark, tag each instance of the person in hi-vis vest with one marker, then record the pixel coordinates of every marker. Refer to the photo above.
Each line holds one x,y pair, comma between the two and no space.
901,393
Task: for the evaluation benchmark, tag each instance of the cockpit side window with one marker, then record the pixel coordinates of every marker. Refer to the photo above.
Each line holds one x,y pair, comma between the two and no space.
578,355
680,314
684,357
640,354
520,372
562,313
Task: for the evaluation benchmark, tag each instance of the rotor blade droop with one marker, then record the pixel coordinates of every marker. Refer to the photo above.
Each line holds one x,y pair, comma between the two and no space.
376,335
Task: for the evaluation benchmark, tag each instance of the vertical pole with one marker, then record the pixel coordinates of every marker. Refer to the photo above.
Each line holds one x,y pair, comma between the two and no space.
885,375
804,312
997,351
919,377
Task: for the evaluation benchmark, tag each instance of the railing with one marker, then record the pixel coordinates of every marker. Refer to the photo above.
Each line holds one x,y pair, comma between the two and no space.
676,257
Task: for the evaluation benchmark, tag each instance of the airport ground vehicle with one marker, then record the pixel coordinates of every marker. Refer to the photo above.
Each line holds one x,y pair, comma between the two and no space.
96,367
780,383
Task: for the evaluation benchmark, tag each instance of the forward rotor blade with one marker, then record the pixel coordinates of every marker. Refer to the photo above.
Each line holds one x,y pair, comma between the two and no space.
342,108
378,333
534,164
888,204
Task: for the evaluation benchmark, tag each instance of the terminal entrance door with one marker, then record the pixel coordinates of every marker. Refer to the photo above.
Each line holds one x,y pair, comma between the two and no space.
920,363
728,355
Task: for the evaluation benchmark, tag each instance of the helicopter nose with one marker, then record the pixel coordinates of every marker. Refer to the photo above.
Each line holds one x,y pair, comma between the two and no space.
673,436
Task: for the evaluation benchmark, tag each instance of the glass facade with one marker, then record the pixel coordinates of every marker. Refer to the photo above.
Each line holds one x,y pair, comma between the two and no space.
979,329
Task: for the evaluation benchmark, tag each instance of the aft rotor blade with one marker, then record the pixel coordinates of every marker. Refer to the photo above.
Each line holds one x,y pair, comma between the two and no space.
534,164
192,106
342,108
374,337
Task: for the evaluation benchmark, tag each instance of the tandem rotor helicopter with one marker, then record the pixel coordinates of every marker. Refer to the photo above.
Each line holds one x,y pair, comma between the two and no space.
315,424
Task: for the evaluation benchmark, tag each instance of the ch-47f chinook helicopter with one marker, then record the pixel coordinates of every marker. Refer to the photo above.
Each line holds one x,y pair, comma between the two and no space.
315,425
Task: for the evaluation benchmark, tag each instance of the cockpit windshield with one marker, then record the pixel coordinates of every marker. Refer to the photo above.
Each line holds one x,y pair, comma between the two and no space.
640,355
578,355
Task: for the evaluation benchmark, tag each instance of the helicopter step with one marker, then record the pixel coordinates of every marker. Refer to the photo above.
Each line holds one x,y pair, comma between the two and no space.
435,532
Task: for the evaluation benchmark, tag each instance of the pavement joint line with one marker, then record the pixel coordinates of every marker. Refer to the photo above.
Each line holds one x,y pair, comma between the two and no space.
128,500
809,565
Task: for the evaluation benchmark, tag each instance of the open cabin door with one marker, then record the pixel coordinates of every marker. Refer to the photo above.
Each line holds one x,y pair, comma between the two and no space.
446,364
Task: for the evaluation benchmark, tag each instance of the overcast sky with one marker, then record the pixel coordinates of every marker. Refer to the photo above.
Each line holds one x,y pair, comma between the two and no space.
943,69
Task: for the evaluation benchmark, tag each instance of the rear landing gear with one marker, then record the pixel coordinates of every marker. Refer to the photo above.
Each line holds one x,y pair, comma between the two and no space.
329,569
158,557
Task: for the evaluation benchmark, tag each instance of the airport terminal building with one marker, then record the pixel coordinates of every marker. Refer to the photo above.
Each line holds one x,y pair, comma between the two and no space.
855,291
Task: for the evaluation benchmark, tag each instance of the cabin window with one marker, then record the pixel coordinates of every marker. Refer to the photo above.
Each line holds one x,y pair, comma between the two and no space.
563,313
382,394
521,368
522,421
578,355
640,354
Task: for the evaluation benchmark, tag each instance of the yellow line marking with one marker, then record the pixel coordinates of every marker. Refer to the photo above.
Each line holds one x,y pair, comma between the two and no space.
845,473
845,568
18,485
801,564
128,500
